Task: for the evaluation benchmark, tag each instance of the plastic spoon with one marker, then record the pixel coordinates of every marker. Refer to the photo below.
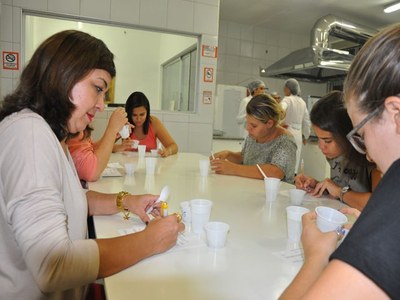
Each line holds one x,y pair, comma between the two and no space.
163,197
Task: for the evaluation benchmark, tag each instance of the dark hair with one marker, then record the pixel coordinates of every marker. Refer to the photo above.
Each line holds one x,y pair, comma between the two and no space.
264,107
138,99
330,114
47,80
374,73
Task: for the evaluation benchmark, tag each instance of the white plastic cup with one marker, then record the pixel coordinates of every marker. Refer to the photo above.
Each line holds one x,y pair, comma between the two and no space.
216,233
293,217
154,152
129,168
329,219
200,211
186,213
141,150
271,188
296,196
204,165
151,165
124,132
135,144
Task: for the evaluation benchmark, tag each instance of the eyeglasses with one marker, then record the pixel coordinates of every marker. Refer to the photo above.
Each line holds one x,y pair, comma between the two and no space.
355,139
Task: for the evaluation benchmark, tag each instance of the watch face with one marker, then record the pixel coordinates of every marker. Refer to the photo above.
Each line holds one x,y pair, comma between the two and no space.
345,189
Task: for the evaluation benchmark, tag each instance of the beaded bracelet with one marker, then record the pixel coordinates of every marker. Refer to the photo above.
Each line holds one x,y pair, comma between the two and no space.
120,198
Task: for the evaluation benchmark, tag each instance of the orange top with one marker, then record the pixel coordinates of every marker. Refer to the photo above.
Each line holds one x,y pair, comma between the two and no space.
82,153
150,139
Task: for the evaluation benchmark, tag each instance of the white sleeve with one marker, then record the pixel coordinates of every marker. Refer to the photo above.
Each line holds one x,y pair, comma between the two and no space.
284,105
241,116
33,177
306,124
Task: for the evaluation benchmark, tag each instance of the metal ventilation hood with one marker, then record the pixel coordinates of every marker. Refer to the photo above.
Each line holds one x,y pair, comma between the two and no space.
319,63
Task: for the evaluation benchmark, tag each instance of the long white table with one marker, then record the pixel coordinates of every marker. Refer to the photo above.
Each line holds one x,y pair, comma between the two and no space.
249,267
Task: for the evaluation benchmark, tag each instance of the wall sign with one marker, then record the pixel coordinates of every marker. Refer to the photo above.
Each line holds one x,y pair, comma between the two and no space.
10,60
208,74
209,51
207,97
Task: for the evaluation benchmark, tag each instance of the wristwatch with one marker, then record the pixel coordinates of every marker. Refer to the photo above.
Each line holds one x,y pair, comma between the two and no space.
342,192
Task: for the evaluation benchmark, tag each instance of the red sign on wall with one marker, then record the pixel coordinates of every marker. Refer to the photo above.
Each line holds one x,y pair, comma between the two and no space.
10,60
208,75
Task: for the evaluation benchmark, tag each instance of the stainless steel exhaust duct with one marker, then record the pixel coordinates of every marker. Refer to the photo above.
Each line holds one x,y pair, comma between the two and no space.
318,62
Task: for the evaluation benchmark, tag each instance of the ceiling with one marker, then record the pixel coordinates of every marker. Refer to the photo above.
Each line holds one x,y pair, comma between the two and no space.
299,16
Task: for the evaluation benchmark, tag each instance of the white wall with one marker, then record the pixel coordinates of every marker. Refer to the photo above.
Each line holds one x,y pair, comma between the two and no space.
138,53
198,17
242,49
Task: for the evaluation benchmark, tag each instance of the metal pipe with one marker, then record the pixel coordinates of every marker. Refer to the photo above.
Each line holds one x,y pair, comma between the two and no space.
330,25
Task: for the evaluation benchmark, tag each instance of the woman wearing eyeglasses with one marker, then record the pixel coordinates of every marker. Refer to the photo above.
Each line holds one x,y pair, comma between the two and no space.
353,177
367,263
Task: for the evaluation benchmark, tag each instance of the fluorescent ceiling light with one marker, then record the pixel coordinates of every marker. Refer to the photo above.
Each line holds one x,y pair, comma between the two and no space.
392,8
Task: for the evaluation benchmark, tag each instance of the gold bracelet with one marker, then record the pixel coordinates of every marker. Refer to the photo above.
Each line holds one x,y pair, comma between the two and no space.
120,206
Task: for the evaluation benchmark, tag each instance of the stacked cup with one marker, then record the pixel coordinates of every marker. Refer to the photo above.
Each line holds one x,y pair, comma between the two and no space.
204,165
200,213
142,150
129,168
271,188
294,227
150,165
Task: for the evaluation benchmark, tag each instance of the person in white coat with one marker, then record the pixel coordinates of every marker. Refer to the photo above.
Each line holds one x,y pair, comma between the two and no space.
297,117
255,88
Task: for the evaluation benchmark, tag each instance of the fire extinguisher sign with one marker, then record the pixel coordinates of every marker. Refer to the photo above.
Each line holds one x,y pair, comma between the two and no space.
10,60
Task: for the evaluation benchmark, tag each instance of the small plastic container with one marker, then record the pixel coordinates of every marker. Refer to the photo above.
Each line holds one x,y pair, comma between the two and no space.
164,209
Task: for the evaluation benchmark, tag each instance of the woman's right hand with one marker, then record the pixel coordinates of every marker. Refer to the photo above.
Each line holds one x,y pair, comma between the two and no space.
126,145
163,233
304,182
117,120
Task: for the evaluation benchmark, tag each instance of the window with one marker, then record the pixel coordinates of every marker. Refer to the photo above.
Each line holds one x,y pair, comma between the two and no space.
178,78
140,58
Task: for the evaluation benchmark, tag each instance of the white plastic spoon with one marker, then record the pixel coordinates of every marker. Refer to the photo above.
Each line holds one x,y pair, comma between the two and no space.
163,197
261,171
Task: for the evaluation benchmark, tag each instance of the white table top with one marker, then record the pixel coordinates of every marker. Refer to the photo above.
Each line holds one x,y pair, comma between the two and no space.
249,267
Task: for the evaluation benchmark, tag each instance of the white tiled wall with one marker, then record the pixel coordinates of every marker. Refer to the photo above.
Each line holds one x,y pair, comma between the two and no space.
242,50
61,6
125,11
199,17
153,13
181,15
98,9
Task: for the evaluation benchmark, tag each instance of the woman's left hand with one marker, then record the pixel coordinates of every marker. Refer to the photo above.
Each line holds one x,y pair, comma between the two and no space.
222,166
315,242
164,152
139,204
328,185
